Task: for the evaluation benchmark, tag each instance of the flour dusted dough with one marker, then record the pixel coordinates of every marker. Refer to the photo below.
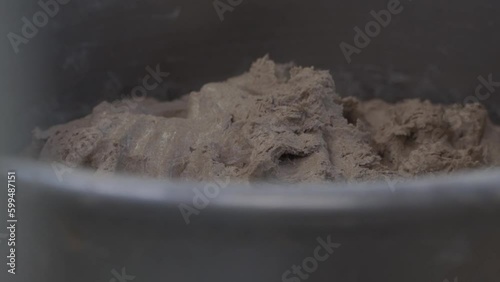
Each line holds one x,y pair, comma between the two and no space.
276,122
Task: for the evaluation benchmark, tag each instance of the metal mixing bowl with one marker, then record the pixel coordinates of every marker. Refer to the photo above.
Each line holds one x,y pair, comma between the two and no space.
85,228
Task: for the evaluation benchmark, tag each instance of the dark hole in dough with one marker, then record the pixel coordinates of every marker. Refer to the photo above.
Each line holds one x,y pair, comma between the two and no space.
290,157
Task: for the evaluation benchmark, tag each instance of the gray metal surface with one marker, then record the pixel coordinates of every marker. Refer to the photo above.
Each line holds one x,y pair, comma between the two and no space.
83,228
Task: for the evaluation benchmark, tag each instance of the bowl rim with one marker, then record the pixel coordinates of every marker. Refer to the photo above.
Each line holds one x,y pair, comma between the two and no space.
456,195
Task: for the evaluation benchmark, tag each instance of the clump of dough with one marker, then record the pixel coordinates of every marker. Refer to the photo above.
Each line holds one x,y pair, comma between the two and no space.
275,123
